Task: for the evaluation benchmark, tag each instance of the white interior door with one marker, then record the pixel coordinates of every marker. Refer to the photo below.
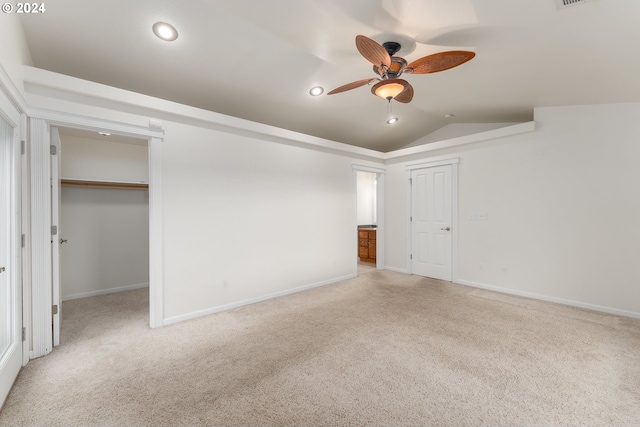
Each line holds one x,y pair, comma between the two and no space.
55,237
10,291
431,222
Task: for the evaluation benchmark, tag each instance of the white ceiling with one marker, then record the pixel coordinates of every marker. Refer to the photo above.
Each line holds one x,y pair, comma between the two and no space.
257,59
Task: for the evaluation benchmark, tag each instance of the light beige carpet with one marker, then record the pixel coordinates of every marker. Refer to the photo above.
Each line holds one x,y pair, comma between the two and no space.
385,349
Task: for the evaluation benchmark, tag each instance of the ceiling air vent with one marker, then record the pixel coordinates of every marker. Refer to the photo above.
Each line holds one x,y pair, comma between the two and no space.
565,3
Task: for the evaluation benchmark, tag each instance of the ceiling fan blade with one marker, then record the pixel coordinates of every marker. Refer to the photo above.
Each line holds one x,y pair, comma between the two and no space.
406,95
373,51
439,62
351,85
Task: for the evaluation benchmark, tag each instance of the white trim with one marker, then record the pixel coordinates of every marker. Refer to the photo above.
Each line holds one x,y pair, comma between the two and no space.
104,291
455,223
156,235
180,112
213,310
56,195
397,270
424,165
380,216
40,179
364,168
12,360
380,220
8,111
125,100
409,264
70,120
463,140
11,91
355,244
27,320
548,298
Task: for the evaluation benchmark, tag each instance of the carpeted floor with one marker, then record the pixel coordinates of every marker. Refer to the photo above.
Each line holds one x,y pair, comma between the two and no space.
384,349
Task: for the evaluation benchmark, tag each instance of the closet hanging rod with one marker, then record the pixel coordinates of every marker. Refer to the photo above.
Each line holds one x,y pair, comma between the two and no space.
104,184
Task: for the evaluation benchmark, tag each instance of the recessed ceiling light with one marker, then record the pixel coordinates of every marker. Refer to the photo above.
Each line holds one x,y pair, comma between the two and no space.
392,120
105,134
165,31
316,91
448,116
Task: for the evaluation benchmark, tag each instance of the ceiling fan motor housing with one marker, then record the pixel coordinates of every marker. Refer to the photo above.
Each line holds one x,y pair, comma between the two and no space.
391,47
395,69
397,63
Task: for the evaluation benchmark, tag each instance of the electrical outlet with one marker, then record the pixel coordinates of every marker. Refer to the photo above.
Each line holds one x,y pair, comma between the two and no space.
481,267
483,216
473,216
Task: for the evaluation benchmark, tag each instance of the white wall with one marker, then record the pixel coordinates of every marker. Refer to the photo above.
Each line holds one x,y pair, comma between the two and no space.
102,159
107,233
562,204
107,230
366,189
260,216
14,52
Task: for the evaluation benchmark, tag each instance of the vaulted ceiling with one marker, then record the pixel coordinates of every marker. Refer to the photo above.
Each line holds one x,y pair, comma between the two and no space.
257,59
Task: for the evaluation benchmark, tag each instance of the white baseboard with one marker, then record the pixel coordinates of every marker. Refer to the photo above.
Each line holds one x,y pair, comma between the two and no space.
571,303
104,291
218,309
397,270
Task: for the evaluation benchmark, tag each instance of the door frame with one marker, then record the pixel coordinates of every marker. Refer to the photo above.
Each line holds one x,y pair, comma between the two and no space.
380,241
41,122
14,118
453,162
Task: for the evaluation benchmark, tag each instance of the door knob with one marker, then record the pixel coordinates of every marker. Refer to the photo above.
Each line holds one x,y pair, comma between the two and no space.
63,241
446,229
2,269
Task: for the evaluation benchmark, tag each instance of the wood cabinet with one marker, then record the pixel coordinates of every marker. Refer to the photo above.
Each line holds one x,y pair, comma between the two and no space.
367,244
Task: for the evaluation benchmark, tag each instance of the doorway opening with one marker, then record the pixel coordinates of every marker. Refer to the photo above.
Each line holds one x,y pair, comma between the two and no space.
43,328
369,188
367,217
103,213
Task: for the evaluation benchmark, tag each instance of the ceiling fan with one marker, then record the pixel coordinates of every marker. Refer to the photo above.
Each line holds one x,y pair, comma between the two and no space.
389,68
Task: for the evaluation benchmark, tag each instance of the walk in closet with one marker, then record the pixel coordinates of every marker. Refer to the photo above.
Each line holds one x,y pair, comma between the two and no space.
104,214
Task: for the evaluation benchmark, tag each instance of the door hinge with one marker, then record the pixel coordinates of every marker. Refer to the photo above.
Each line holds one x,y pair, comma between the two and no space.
22,242
54,150
22,145
410,181
410,219
54,309
54,230
24,334
411,256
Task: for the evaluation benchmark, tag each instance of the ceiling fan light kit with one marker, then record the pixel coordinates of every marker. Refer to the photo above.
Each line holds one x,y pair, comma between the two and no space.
387,89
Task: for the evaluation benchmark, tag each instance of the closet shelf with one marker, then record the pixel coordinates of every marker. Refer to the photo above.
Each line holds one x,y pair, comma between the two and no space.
72,182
